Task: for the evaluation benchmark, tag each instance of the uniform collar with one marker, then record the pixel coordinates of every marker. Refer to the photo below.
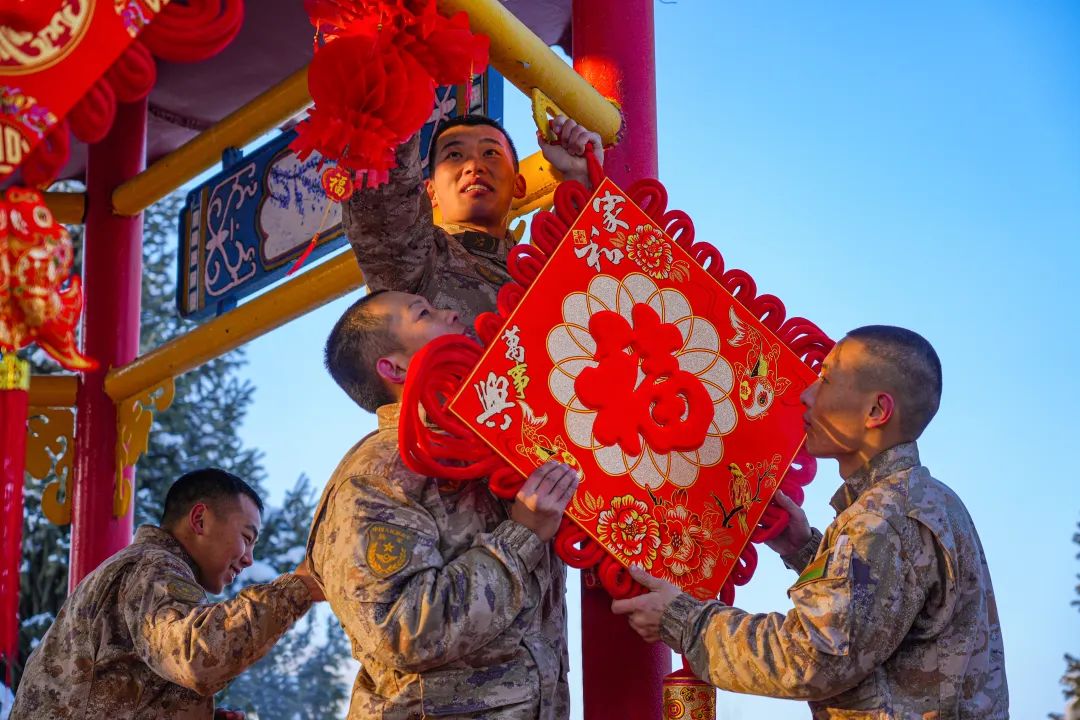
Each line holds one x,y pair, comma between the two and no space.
882,466
388,416
481,243
159,537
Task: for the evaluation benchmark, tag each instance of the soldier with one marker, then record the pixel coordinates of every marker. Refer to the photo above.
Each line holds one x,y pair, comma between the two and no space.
451,600
137,638
894,613
474,179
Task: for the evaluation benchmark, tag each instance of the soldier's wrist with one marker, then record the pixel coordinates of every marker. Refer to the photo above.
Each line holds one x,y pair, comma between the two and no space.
799,559
676,619
296,591
526,544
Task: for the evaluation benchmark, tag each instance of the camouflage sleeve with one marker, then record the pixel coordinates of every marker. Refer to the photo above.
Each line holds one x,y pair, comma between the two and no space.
853,605
799,559
203,646
391,228
399,599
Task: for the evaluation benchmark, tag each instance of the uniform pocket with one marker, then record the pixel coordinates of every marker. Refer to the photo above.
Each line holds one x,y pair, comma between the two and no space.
474,692
823,599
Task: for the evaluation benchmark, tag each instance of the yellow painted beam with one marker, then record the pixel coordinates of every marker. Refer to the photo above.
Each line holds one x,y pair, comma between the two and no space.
528,63
53,390
540,182
68,208
266,112
316,287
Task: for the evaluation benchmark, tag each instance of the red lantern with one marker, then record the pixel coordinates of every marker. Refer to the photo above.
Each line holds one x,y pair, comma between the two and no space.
373,82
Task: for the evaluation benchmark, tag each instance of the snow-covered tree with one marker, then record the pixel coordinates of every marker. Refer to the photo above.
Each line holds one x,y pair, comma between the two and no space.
301,677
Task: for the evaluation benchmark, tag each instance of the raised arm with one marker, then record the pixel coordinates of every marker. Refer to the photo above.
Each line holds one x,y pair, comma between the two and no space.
391,228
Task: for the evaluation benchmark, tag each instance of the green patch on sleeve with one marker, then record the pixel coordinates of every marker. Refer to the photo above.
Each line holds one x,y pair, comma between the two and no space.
814,570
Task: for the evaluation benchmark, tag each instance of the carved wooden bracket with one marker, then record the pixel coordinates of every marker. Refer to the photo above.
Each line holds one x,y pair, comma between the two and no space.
50,447
134,417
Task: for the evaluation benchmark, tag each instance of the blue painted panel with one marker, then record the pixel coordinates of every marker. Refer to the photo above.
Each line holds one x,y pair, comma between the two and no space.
243,228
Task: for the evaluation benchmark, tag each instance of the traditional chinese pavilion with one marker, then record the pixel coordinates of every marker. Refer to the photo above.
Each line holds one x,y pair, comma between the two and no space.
254,82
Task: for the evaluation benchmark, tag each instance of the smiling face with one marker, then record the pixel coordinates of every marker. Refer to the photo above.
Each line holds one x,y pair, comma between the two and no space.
474,180
225,535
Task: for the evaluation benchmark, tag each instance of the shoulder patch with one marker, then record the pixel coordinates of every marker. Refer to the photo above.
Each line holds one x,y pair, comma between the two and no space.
815,570
818,568
185,592
389,549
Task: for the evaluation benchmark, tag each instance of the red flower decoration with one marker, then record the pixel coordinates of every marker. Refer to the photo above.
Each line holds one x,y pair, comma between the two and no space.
630,531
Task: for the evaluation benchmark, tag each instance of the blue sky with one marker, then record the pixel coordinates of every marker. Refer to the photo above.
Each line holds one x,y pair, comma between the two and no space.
915,164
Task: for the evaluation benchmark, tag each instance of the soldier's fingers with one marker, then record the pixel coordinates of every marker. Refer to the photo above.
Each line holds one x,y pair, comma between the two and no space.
556,124
571,487
538,477
624,607
562,479
643,577
785,502
576,140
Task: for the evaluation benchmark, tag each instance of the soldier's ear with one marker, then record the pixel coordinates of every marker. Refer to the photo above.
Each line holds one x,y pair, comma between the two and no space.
392,368
520,186
881,412
197,518
430,187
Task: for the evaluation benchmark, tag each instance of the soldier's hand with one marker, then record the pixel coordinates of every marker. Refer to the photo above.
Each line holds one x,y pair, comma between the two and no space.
303,571
226,714
567,153
540,503
797,532
646,611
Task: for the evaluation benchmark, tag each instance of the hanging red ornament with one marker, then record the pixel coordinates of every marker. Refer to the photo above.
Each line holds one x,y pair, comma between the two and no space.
369,98
337,184
195,30
35,261
373,82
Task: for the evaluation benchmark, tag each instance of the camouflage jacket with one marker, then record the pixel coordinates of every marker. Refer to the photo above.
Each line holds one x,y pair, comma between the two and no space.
137,640
453,610
399,247
894,617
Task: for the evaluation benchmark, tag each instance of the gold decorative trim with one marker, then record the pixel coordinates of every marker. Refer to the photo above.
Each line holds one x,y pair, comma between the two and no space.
50,444
134,418
14,373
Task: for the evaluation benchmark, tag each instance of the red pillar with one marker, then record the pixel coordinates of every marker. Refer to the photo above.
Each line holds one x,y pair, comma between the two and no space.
614,51
112,274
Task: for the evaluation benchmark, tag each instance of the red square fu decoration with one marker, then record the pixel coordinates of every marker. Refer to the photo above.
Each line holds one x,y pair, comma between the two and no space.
627,359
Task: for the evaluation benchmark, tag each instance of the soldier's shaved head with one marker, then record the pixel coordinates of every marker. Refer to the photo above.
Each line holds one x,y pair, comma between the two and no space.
210,486
904,364
359,338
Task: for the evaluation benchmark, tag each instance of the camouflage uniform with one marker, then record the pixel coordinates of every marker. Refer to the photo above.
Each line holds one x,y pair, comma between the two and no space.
453,610
399,247
136,639
894,617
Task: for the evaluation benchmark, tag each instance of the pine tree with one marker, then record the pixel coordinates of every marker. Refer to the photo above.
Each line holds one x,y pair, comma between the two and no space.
199,429
1071,678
